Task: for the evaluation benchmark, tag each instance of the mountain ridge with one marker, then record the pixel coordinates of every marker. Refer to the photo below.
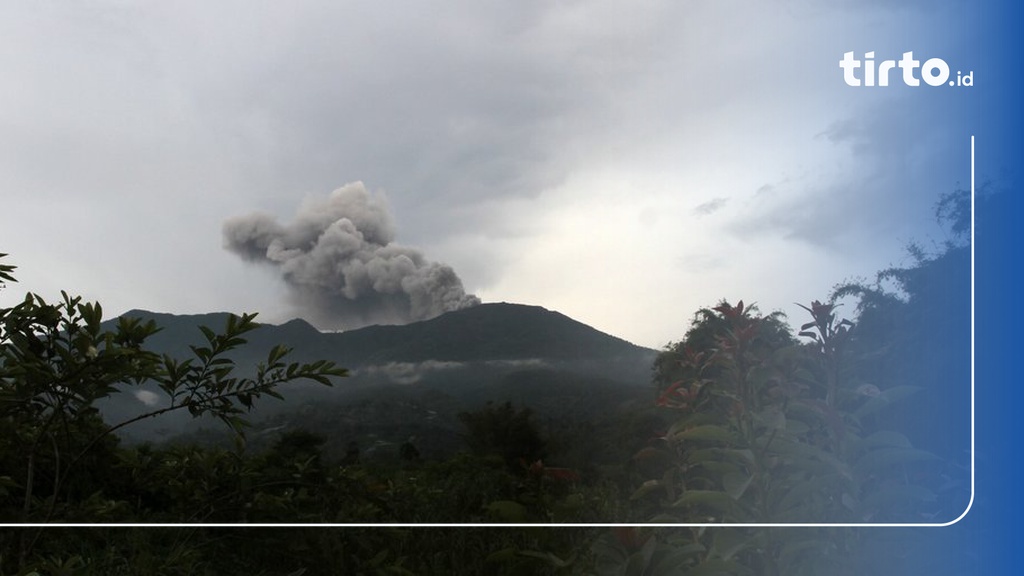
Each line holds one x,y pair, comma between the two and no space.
490,331
497,352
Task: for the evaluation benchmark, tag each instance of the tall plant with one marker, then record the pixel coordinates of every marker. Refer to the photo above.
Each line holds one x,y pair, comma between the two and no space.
770,432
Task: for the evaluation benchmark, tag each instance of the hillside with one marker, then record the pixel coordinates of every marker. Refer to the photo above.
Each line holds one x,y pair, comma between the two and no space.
457,361
487,332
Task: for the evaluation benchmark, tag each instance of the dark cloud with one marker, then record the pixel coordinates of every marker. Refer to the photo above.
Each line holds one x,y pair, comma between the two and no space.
465,105
710,207
898,161
480,119
339,258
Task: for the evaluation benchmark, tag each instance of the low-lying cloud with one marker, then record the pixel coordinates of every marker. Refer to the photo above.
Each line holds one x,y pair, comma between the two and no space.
413,372
409,372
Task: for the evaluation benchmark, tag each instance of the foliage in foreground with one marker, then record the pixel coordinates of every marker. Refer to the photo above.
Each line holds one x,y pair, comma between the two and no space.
760,427
772,431
59,461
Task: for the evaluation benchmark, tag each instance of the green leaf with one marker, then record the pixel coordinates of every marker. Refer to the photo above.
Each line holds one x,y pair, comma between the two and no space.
807,455
507,511
502,556
729,542
792,551
548,557
743,456
711,499
887,438
202,352
236,423
210,335
795,427
696,419
885,399
772,418
277,353
691,548
6,270
719,568
736,484
646,488
640,560
718,469
708,432
894,496
801,499
672,562
885,458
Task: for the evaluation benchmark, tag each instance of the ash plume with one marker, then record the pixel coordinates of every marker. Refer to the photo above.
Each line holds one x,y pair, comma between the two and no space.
340,262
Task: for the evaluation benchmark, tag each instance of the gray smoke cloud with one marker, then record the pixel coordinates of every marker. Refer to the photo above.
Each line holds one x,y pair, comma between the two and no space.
339,259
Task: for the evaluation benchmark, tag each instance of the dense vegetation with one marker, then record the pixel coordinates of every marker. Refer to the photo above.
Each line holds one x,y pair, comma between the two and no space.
849,420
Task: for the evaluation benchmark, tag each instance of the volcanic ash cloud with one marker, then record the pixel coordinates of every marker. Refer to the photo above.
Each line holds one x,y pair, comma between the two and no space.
340,262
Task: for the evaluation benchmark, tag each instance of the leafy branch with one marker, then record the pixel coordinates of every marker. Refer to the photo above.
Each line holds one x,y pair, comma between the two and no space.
58,360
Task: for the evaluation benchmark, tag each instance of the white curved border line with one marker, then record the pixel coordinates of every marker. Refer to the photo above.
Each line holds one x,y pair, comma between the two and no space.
970,503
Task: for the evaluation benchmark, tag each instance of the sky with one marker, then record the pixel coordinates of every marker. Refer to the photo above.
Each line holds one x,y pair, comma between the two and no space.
624,163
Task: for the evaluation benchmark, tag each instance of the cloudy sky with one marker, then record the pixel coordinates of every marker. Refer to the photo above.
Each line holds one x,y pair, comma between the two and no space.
621,162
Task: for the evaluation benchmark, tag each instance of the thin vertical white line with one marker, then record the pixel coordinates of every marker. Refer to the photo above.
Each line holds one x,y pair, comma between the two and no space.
972,325
970,503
